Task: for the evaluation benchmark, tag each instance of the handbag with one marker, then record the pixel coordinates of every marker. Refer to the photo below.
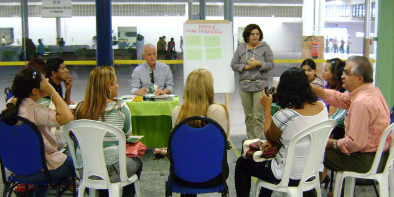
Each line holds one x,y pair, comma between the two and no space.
135,149
251,149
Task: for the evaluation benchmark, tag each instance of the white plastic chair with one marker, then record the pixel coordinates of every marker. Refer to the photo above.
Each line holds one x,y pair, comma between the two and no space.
318,134
90,135
384,178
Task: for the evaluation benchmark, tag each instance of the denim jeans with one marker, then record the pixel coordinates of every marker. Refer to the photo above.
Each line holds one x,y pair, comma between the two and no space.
64,171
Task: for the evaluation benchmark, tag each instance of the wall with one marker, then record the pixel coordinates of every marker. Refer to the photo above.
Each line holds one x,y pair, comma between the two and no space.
282,34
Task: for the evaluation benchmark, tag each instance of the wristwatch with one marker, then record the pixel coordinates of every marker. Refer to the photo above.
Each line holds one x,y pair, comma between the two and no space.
335,144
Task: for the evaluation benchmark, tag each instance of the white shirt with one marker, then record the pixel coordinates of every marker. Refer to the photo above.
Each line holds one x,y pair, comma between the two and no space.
291,122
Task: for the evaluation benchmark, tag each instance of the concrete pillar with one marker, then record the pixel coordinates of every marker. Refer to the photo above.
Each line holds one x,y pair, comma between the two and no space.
367,28
190,10
307,17
58,29
229,11
25,20
322,8
104,52
384,57
202,9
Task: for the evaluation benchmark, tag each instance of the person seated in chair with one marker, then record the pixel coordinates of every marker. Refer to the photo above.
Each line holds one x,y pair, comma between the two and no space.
198,100
100,105
367,118
30,85
151,73
299,107
57,72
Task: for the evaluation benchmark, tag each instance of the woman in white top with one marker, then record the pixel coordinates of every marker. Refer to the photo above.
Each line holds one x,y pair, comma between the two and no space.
300,109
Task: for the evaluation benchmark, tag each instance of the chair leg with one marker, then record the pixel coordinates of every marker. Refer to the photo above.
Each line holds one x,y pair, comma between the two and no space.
82,188
92,192
338,184
257,188
114,190
137,188
376,189
383,187
318,189
349,186
391,181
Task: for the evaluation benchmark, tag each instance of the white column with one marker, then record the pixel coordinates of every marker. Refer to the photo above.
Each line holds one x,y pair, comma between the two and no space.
367,27
322,6
308,17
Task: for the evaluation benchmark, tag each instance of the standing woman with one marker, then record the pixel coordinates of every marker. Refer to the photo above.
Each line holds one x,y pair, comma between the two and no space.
252,61
100,105
309,67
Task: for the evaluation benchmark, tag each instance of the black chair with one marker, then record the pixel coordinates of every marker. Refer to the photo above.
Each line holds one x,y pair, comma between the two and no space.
198,158
22,152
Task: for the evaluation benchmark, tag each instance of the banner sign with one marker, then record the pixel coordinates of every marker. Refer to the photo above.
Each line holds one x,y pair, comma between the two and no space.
56,8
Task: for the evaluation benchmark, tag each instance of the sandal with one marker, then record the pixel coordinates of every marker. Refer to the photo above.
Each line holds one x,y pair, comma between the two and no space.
160,154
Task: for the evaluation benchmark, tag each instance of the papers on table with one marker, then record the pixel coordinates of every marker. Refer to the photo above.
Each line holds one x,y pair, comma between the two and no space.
134,138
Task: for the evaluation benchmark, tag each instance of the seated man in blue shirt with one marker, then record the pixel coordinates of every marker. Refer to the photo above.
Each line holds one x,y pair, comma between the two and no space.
151,73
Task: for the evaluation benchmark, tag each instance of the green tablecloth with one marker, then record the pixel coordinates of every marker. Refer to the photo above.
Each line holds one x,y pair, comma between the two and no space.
153,121
274,107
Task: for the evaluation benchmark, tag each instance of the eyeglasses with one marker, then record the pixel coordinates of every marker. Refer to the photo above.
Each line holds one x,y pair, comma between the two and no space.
152,77
346,73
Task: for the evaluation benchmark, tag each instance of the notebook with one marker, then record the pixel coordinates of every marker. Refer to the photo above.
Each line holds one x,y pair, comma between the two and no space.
134,138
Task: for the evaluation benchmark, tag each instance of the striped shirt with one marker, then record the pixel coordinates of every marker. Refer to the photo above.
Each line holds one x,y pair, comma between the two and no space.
367,118
116,114
44,118
290,123
339,116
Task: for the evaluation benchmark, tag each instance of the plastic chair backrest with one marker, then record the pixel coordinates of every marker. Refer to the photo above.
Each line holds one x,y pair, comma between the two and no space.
379,151
318,135
22,148
201,149
90,135
8,94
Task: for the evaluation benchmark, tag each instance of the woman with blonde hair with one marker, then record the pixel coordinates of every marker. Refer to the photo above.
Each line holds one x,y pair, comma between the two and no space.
99,104
198,100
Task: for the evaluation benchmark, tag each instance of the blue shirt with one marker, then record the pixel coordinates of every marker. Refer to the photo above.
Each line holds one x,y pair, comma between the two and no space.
162,77
41,49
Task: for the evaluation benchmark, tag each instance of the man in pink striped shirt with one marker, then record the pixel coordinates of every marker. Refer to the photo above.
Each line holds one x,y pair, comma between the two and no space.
367,118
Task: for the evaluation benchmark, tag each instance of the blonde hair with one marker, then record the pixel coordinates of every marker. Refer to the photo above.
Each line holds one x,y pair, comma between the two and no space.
198,96
97,93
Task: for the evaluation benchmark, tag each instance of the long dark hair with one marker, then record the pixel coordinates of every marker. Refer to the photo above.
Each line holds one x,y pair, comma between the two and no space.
294,89
23,85
310,63
337,77
336,81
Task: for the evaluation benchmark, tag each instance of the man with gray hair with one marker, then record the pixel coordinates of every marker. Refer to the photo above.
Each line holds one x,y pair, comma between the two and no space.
367,118
151,76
